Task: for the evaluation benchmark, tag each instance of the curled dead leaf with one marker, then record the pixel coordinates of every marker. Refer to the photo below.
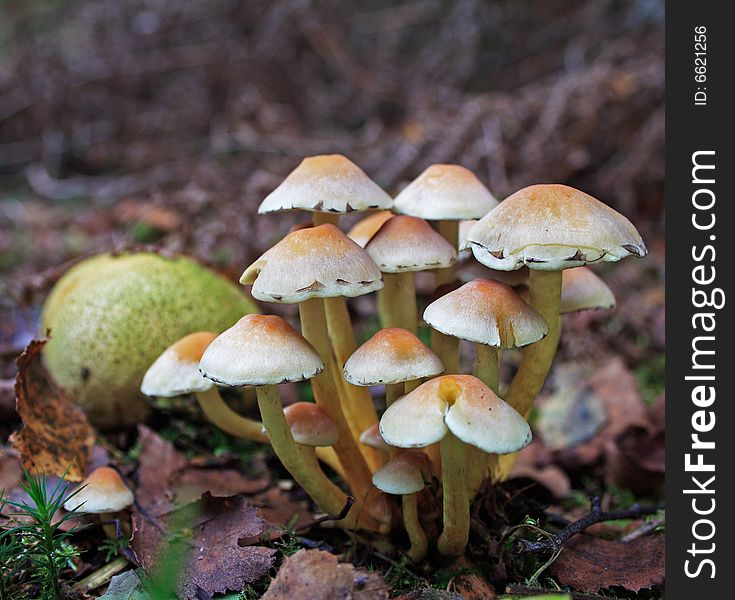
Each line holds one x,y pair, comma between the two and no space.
56,434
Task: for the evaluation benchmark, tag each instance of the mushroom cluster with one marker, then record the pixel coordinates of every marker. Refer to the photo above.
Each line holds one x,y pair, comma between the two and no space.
393,415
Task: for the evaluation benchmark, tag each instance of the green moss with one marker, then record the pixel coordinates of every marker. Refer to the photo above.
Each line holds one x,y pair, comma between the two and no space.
109,317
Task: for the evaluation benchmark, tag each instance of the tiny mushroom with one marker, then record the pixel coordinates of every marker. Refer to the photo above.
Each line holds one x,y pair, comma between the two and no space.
103,493
490,314
305,268
402,246
265,351
404,476
394,357
549,228
176,372
582,289
364,230
447,194
454,410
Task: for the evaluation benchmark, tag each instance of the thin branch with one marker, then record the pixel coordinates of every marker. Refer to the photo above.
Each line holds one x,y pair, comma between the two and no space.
596,515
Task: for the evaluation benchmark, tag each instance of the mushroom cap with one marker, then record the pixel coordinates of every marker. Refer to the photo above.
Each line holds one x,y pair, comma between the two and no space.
445,193
404,474
176,371
582,289
487,312
318,262
310,425
103,491
363,231
260,350
371,437
552,227
326,183
392,355
406,243
461,404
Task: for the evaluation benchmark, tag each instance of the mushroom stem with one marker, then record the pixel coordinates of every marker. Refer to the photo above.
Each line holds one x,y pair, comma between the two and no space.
393,391
450,232
447,347
108,526
327,395
486,365
411,385
545,296
226,419
359,401
416,535
544,289
320,218
456,502
478,462
397,302
298,459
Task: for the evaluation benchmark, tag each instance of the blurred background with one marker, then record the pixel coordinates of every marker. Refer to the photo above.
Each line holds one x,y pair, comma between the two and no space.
166,122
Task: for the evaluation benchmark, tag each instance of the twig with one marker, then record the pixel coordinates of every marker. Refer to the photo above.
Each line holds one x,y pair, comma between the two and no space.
102,575
596,515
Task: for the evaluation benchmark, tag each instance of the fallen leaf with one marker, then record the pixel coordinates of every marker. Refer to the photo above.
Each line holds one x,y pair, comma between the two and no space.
191,482
126,586
56,434
534,463
589,563
10,469
614,386
211,526
318,575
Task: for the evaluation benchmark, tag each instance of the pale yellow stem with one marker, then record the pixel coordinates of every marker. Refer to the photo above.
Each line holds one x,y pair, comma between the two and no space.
327,395
456,502
299,460
450,231
397,302
544,288
226,419
479,462
412,524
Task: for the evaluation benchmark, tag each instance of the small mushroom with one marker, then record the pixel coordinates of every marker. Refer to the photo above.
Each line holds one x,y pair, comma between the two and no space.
493,316
549,228
305,268
265,351
394,357
102,493
447,194
454,410
402,246
404,476
176,372
363,231
582,289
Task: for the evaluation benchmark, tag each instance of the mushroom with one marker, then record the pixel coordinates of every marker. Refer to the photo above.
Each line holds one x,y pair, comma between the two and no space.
328,186
447,194
371,437
394,357
305,268
103,493
402,246
176,372
454,410
549,228
493,316
404,476
582,289
265,351
363,231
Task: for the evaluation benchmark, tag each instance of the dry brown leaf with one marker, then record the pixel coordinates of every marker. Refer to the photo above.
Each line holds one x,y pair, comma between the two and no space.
318,575
590,563
55,433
